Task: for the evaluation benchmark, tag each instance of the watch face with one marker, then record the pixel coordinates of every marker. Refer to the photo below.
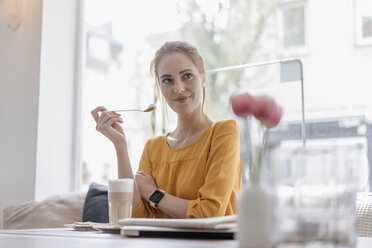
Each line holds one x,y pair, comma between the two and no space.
156,196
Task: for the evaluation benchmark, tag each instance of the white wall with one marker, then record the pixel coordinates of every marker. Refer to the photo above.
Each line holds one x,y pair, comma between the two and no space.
335,65
19,102
38,83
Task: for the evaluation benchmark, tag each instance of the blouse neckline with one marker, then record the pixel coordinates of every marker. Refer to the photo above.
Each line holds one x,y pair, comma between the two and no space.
188,146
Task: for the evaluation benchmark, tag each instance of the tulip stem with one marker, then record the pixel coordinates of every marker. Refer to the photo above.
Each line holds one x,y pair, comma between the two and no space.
248,123
262,149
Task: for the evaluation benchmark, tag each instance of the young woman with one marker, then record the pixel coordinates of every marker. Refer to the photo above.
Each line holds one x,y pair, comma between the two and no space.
193,171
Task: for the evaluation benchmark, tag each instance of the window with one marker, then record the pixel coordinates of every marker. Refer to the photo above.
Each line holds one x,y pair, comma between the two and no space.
293,29
102,48
121,43
363,22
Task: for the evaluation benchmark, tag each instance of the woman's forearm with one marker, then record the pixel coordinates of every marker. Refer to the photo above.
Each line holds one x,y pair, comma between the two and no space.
125,170
173,206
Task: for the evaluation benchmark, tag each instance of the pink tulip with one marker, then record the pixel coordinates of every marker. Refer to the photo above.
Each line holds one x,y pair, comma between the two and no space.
274,117
262,107
267,111
242,104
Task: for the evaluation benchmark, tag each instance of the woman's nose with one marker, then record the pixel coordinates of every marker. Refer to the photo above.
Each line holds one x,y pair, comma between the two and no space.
179,86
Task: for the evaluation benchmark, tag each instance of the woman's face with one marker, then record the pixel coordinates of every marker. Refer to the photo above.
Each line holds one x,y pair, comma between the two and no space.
181,83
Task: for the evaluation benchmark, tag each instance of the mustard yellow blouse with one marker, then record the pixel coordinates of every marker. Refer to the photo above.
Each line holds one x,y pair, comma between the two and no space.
208,172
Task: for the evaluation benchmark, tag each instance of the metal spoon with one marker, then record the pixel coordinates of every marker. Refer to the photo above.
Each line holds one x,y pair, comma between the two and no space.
150,108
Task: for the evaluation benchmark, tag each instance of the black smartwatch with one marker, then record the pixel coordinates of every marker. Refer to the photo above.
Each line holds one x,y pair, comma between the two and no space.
156,197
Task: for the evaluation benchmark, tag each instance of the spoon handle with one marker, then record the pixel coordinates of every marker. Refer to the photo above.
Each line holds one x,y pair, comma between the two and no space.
124,110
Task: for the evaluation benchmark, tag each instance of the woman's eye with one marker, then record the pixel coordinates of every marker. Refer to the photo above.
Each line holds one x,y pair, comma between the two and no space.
187,75
166,80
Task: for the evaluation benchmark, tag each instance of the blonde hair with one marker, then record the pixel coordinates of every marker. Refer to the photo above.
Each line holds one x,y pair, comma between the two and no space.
171,47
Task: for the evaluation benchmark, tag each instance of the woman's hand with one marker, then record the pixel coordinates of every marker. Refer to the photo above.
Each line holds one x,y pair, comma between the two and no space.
108,124
146,185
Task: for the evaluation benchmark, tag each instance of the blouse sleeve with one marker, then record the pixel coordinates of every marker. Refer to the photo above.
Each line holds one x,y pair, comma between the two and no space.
223,169
144,210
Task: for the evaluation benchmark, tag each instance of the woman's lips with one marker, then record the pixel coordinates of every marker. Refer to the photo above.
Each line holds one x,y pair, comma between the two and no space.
182,99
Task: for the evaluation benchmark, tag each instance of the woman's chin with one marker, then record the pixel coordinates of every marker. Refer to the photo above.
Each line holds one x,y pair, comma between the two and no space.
185,108
182,110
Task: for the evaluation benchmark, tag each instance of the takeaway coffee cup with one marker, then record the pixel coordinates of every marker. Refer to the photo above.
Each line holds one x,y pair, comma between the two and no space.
120,198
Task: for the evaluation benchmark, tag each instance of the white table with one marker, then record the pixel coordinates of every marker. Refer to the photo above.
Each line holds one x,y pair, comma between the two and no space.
65,237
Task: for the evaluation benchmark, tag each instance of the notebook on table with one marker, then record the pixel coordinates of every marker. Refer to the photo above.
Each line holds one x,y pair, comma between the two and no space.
171,232
204,228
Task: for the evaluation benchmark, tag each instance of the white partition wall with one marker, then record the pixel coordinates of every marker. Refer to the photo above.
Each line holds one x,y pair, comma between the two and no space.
19,102
59,81
38,83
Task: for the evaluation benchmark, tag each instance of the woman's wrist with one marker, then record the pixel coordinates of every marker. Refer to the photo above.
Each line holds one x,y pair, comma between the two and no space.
148,194
120,144
156,198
